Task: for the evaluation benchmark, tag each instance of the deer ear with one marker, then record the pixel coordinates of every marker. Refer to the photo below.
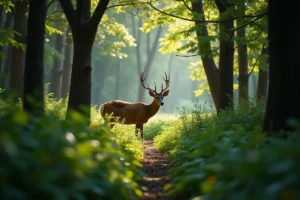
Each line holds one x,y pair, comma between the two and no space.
166,92
151,93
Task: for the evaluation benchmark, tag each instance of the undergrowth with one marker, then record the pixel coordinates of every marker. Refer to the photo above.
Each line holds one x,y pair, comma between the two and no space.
51,158
226,157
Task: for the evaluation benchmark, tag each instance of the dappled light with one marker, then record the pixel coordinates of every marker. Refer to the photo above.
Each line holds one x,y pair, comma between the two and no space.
149,100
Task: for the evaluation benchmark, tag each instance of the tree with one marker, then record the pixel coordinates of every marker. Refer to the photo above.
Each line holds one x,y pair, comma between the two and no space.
57,70
283,101
33,82
211,42
243,76
84,29
263,75
18,54
67,68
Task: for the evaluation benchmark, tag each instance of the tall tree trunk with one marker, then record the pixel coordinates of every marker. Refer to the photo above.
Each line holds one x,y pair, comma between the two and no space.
67,68
34,70
18,55
284,87
243,77
84,29
208,63
1,47
57,70
7,51
225,89
263,77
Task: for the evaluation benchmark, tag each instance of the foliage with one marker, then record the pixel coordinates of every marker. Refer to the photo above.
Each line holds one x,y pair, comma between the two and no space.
124,135
225,157
181,37
113,37
7,5
7,38
53,159
156,126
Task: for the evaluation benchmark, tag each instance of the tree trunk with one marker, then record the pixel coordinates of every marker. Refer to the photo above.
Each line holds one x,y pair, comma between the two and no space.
263,77
225,89
208,63
7,51
243,77
1,47
67,68
80,88
57,70
284,87
34,70
18,55
84,29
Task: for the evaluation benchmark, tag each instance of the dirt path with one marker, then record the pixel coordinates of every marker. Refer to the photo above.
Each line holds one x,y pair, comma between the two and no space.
156,167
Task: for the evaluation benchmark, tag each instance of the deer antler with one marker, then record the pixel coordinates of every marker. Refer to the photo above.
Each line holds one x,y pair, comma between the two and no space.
167,80
142,79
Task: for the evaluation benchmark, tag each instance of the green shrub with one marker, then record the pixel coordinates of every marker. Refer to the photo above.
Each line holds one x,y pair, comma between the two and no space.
155,126
46,158
225,157
56,107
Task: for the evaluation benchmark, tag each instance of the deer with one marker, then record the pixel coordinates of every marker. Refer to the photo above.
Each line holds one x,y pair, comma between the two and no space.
137,113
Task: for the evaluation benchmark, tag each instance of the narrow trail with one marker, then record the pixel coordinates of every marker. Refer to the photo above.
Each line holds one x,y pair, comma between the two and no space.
155,166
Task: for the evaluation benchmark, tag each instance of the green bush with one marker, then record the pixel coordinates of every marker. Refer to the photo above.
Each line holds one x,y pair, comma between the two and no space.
225,157
155,126
46,158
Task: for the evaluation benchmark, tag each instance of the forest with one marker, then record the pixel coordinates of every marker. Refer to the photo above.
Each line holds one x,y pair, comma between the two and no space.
149,100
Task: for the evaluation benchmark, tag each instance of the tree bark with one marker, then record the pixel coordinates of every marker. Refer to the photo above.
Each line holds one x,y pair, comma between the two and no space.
84,29
243,77
284,87
7,51
1,47
57,70
67,68
225,86
263,77
34,70
208,63
18,55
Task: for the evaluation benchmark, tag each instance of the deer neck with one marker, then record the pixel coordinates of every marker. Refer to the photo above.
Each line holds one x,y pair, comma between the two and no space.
153,108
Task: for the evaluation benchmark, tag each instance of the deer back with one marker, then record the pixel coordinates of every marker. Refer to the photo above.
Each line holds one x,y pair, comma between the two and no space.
131,113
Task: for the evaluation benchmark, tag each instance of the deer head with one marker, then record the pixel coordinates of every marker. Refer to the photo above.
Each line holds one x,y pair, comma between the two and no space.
157,96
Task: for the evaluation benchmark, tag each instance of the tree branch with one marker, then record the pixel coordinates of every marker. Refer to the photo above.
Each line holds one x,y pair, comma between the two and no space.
98,14
206,21
49,4
126,4
69,11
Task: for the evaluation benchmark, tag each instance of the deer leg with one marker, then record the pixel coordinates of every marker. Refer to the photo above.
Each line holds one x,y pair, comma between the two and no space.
142,132
139,127
136,130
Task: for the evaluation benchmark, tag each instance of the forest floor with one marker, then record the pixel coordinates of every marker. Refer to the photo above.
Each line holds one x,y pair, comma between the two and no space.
155,167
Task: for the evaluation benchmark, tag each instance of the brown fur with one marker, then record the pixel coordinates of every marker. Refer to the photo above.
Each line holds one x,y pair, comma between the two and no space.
132,113
129,113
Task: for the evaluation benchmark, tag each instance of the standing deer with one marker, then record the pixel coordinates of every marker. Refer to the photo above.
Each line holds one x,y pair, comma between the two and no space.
137,113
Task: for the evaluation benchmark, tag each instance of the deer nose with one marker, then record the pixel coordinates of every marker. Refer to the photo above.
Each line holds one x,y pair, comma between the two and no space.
162,103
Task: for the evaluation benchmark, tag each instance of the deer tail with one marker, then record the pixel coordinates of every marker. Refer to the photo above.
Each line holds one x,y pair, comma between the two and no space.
101,110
